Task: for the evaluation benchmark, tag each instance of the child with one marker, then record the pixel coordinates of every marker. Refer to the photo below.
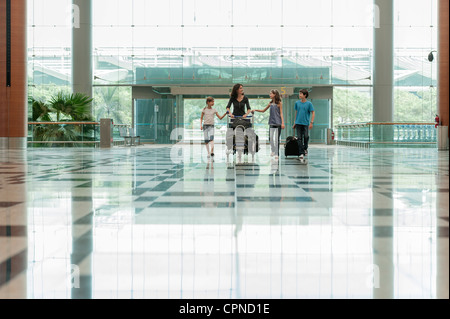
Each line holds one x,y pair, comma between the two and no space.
276,121
208,127
304,119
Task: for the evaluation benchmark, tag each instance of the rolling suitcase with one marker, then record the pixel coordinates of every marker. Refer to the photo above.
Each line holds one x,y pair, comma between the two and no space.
240,137
291,146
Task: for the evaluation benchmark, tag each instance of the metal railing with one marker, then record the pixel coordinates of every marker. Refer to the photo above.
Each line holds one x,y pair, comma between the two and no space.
372,134
69,134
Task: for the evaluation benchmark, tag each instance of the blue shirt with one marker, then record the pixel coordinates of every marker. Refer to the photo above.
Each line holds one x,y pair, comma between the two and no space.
303,112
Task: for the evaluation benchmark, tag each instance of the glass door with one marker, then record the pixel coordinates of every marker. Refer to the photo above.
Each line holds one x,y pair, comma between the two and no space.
146,120
154,120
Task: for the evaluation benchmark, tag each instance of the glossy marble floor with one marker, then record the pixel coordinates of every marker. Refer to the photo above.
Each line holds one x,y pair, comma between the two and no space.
164,222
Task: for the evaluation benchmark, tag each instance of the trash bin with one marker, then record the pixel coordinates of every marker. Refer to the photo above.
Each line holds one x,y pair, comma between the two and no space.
106,133
442,137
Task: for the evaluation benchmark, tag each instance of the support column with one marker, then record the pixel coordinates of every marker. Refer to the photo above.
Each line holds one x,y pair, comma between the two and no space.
443,62
383,66
442,200
13,76
82,63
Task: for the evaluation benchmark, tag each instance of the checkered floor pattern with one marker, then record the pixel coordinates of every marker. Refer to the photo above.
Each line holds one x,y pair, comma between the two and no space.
167,222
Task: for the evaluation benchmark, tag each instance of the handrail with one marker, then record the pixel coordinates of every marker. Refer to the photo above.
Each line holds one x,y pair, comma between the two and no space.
383,123
63,142
76,123
386,133
89,133
400,123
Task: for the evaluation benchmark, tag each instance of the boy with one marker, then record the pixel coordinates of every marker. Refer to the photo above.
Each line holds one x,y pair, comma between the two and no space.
304,119
208,127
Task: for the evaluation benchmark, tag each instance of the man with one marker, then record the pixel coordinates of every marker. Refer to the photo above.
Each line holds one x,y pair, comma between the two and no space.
304,119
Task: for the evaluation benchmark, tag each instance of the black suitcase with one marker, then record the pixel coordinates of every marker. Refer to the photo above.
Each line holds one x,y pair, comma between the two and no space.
291,146
245,123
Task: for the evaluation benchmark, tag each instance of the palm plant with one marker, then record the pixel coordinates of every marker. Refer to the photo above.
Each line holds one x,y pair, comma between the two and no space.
63,107
82,107
40,110
75,107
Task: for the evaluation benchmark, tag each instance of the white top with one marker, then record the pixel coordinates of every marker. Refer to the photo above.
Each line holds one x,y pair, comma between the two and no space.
209,116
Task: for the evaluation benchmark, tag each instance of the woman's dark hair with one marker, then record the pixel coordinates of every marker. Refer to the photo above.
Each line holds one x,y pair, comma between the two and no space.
234,92
277,97
305,92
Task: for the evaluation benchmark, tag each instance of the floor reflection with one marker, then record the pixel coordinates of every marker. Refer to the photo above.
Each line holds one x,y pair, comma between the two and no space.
134,223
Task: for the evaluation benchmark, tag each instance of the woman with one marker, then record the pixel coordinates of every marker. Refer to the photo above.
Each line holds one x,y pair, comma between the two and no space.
239,102
276,121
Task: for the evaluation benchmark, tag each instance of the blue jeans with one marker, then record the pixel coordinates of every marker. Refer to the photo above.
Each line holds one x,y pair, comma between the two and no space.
303,137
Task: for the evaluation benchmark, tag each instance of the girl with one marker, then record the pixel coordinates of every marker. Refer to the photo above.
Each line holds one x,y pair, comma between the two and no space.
276,121
208,127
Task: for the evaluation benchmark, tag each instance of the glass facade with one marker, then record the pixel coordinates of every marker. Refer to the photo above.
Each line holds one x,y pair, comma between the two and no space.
207,43
49,48
415,34
222,42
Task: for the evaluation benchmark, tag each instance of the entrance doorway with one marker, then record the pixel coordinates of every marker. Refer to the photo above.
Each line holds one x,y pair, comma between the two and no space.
154,119
156,116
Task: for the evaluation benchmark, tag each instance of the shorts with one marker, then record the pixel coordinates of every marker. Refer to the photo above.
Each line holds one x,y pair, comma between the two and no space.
208,133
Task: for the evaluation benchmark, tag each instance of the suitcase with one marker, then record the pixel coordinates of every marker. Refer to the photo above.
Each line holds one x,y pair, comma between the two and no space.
244,123
246,144
291,146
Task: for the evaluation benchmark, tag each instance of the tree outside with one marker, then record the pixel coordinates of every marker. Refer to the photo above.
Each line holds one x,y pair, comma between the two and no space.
113,102
418,106
410,105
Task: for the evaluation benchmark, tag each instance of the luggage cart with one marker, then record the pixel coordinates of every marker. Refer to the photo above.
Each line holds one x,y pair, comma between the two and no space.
241,138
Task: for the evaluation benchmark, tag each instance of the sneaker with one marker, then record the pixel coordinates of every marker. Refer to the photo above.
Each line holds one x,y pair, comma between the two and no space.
301,157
